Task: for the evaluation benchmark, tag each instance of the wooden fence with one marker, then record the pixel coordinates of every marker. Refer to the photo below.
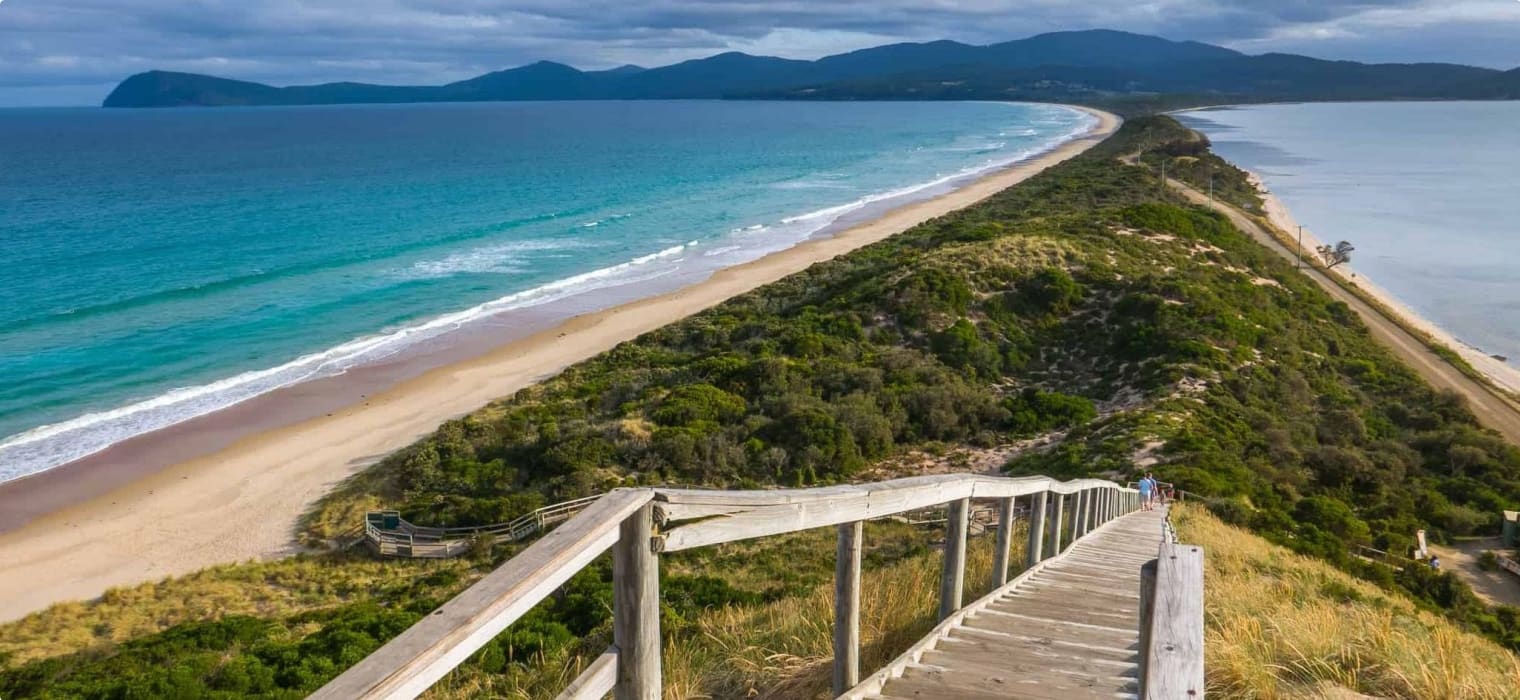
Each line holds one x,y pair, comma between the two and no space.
390,535
640,524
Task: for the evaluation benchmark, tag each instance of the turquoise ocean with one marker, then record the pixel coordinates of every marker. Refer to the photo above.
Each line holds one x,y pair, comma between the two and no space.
163,264
1426,191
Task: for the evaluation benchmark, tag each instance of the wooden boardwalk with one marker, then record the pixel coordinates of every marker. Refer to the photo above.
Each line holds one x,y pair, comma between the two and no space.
1070,630
1065,628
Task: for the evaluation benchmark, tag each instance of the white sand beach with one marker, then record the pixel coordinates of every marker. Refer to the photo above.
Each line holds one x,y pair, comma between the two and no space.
242,502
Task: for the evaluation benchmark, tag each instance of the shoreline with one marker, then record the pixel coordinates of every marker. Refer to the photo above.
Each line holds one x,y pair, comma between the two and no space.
111,525
1504,376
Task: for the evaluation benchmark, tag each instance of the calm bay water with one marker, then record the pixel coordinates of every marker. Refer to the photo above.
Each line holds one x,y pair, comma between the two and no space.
1426,191
163,264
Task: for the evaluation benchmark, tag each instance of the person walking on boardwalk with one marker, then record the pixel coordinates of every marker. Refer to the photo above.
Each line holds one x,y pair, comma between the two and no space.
1147,491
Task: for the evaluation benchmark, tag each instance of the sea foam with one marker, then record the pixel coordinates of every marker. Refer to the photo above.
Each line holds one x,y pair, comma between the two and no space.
51,445
44,447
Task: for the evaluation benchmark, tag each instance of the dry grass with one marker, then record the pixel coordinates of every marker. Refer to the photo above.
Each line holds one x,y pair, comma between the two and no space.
260,588
780,650
785,649
1281,625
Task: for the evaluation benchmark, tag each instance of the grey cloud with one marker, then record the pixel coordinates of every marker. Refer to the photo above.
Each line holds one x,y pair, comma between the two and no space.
46,45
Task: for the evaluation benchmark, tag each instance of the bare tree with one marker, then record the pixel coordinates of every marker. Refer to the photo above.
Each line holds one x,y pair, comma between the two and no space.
1341,253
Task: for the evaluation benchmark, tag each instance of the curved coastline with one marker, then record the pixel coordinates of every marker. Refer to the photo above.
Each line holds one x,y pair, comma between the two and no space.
177,399
1501,375
122,517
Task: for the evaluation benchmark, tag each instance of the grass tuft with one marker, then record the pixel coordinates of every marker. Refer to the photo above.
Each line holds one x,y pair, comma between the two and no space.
1281,625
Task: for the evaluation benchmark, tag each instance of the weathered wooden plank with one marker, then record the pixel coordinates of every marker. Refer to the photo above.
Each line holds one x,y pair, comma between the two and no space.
1174,652
596,681
762,521
930,682
636,609
1058,610
740,515
686,504
1078,575
984,648
1097,636
1053,636
847,607
413,661
1004,542
1089,590
952,580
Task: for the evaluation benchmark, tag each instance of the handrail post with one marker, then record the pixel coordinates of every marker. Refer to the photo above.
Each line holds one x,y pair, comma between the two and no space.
847,607
1078,501
1057,520
952,580
1089,500
1004,542
1040,504
636,608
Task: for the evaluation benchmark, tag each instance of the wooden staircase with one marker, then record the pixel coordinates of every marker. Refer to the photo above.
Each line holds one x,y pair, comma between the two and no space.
1070,629
1067,627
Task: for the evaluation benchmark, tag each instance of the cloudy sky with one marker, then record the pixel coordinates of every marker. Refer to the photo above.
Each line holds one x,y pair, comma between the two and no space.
74,51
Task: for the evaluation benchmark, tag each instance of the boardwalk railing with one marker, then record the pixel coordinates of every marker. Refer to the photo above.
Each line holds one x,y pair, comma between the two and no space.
390,535
640,524
1171,622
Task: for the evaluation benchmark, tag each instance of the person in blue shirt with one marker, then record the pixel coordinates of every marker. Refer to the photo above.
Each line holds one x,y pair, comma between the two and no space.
1147,491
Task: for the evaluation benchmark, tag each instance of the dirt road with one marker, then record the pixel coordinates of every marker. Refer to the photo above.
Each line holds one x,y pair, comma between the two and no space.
1492,410
1497,587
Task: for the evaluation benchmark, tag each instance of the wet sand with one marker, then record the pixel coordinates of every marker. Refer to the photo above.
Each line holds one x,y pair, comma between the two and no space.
134,514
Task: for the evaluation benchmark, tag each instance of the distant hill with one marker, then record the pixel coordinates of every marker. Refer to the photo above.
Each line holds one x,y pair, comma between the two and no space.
1092,66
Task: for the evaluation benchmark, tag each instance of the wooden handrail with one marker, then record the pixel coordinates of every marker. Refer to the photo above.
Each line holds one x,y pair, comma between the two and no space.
1171,622
729,516
413,661
638,524
424,541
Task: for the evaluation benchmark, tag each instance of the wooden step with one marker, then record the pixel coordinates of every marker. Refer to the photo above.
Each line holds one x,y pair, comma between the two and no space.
1068,632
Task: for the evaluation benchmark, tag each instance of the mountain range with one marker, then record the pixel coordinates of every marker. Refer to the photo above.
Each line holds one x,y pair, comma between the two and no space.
1094,66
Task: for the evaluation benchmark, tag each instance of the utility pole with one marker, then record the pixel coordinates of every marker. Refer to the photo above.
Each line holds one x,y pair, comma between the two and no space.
1300,246
1211,188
